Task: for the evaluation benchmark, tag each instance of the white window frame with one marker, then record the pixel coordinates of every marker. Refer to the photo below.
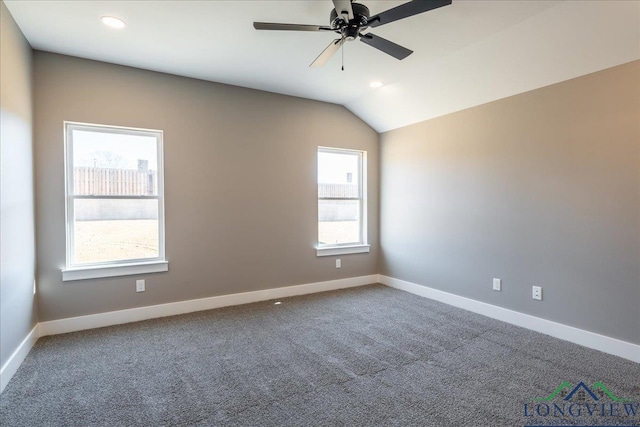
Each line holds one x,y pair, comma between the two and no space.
354,247
119,267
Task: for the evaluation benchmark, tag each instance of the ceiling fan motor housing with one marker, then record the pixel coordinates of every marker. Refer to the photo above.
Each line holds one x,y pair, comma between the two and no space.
351,29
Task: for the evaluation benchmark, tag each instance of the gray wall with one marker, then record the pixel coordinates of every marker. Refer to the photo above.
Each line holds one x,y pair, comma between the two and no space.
17,252
240,183
541,188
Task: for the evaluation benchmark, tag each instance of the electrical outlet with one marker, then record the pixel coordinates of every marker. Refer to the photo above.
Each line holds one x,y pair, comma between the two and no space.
537,293
338,263
139,285
497,284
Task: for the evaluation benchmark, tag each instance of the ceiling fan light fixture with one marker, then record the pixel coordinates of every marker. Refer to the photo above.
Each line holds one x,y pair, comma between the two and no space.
113,22
376,84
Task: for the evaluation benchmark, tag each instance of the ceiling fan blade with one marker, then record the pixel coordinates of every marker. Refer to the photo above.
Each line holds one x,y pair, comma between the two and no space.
343,7
406,10
390,48
289,27
326,54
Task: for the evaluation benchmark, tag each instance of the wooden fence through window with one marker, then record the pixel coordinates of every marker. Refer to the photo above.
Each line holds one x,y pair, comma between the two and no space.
114,182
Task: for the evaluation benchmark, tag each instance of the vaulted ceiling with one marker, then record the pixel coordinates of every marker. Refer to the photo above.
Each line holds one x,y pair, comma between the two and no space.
465,54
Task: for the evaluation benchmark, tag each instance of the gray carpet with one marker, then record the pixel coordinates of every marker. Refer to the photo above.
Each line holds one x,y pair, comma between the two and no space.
363,356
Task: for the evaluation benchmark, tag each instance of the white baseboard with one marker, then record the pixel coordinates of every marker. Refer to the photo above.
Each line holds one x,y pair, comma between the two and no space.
13,363
592,340
92,321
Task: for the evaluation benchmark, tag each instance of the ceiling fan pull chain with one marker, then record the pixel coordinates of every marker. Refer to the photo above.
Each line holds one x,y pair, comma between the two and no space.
342,56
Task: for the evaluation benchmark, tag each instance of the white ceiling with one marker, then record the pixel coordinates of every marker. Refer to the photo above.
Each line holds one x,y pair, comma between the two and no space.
466,54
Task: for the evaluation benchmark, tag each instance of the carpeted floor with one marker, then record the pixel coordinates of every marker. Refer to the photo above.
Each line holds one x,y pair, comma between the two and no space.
363,356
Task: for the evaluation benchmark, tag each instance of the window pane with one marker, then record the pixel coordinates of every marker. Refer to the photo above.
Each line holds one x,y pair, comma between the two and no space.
106,163
338,222
110,230
338,168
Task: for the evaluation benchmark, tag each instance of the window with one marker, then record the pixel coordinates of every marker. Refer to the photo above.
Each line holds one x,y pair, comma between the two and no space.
342,225
114,201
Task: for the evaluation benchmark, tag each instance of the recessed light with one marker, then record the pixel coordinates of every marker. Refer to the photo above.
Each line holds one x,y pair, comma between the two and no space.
376,84
278,302
112,22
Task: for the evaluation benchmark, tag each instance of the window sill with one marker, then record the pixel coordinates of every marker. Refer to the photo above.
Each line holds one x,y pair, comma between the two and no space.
97,272
342,250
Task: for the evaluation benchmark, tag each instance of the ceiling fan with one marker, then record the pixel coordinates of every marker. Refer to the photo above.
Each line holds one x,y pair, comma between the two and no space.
350,19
